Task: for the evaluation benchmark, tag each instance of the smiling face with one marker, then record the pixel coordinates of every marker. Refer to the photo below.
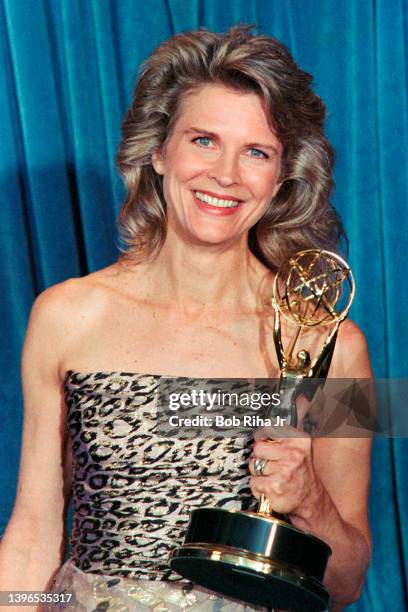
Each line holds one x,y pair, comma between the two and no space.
220,165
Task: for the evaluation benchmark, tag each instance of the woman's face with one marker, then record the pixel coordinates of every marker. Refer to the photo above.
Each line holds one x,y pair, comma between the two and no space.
220,166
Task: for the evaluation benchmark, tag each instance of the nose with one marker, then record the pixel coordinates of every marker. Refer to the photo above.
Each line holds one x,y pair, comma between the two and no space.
225,170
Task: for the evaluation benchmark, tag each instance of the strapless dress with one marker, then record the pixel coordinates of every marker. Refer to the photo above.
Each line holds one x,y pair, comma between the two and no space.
133,491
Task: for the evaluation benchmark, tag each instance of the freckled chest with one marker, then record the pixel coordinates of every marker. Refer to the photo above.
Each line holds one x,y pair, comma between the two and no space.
147,338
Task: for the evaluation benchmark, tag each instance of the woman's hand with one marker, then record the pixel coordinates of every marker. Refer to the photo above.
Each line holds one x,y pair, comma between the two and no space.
289,480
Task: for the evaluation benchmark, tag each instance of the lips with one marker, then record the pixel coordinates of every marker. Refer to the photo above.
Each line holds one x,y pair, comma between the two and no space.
216,204
215,199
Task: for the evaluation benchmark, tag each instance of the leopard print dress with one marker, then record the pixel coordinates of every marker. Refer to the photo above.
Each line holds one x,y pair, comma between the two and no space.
133,491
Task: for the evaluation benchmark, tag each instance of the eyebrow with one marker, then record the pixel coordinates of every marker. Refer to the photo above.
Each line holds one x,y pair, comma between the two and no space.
255,145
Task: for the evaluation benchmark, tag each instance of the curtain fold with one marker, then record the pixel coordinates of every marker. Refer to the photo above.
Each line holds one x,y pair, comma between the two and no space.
68,69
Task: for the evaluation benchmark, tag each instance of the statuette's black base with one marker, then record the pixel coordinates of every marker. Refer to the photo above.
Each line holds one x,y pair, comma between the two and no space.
253,558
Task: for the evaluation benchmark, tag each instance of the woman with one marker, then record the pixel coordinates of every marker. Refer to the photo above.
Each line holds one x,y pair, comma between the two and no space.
228,173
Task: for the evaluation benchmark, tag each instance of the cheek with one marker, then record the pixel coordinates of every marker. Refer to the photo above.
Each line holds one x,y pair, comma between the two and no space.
177,180
183,171
263,185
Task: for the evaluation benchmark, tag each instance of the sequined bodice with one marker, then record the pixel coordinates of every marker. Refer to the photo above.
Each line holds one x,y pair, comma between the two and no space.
133,489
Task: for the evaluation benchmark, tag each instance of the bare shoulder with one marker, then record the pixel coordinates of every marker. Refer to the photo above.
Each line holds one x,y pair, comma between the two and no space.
73,297
64,311
351,357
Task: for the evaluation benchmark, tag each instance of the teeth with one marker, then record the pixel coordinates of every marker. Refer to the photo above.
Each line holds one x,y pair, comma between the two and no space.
215,201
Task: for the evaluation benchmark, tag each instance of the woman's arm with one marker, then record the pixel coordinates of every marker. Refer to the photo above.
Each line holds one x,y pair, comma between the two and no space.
323,484
32,548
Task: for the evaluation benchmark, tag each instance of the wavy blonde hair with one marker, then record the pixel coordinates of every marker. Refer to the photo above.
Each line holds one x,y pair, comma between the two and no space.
300,215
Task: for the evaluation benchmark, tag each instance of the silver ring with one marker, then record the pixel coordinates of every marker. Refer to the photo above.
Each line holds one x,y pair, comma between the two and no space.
259,466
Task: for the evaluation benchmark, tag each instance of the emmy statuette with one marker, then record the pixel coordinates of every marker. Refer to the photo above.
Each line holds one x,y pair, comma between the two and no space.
259,557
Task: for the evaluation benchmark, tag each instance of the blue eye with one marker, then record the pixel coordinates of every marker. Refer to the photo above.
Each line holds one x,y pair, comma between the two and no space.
204,141
258,153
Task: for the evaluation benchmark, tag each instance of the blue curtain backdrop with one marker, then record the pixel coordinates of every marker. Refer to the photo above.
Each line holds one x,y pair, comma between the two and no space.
67,72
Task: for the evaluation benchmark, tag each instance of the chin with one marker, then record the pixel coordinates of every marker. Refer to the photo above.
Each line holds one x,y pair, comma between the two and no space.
213,239
197,233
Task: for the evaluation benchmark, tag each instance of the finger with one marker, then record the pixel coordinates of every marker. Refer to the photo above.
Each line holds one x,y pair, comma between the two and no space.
266,468
284,450
272,468
272,450
281,499
278,433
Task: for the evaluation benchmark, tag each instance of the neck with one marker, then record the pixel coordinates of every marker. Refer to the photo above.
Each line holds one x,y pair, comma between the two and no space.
197,278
